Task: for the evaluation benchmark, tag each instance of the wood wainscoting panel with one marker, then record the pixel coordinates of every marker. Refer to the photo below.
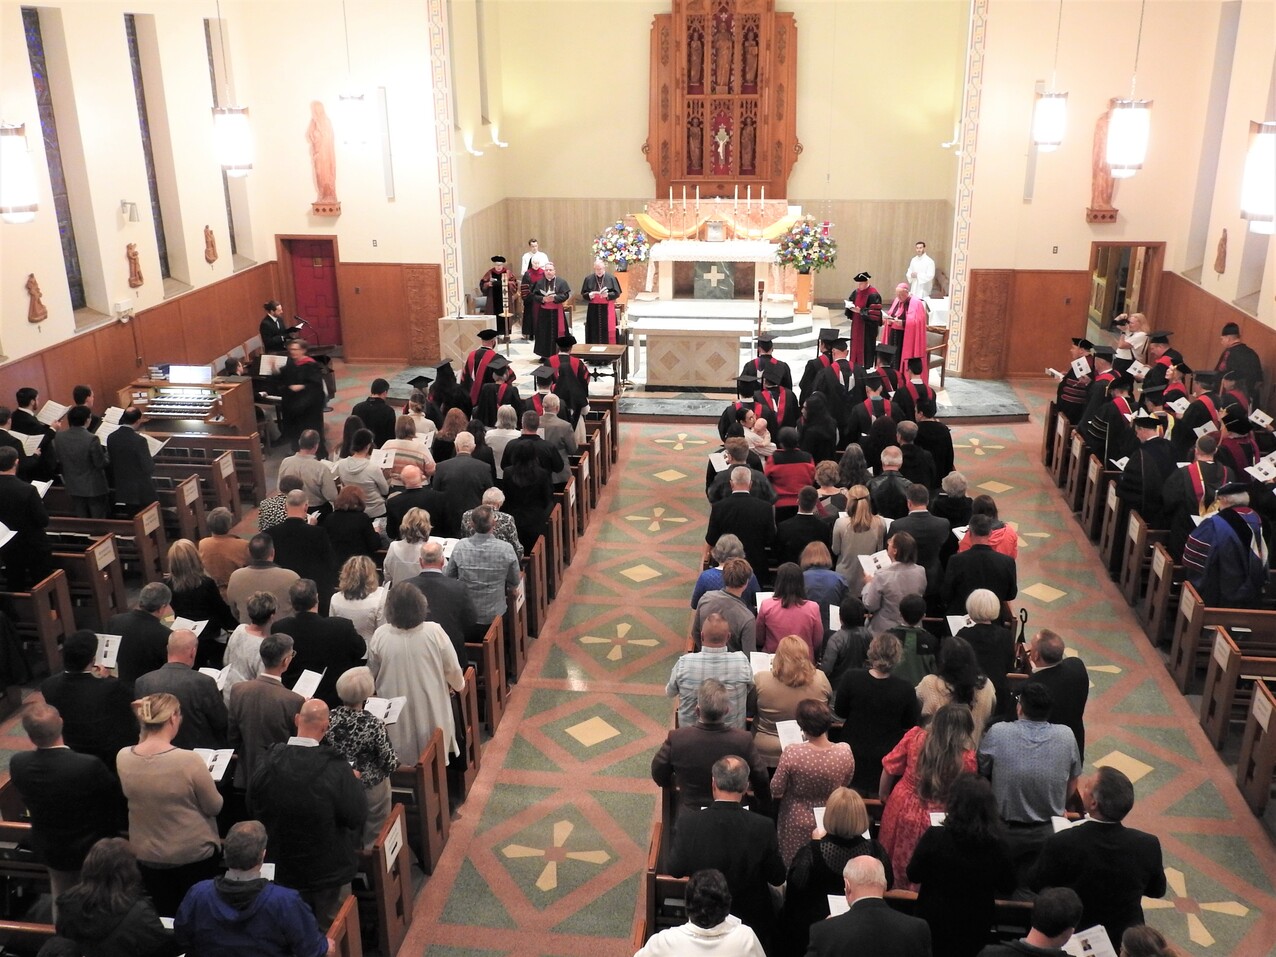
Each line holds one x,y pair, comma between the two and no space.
373,304
71,363
423,291
117,360
1047,308
162,335
27,371
988,315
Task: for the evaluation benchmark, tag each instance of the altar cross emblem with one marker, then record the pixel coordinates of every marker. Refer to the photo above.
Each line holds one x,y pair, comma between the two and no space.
714,276
722,138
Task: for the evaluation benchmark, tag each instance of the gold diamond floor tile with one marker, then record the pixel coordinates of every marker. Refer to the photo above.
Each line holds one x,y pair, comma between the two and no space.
997,488
670,475
640,573
1042,592
595,731
1132,768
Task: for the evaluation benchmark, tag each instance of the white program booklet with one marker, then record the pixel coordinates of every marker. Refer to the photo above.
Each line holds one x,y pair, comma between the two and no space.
308,683
104,431
760,661
718,460
937,818
876,562
50,412
218,676
217,761
789,733
387,709
1092,942
1260,418
838,905
180,623
42,487
1062,823
1204,430
108,651
271,365
957,622
383,458
153,445
1138,370
1080,367
1054,373
1120,464
835,618
6,533
960,532
31,443
1179,405
268,871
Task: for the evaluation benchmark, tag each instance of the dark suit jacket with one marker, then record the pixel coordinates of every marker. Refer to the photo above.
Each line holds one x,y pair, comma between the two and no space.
73,799
97,713
752,521
870,927
378,417
1069,685
321,643
937,439
28,555
25,423
83,462
919,466
978,567
261,716
549,457
204,716
689,753
1110,866
931,534
794,534
132,466
444,523
144,644
451,607
307,550
463,479
759,487
740,844
27,464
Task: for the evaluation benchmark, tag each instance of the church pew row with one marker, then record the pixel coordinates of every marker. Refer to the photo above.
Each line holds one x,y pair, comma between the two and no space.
245,451
387,872
1229,682
344,930
182,508
92,567
1062,445
537,587
1136,556
140,541
1161,599
554,563
1074,481
609,408
567,533
463,771
1110,539
1048,425
487,657
25,939
421,789
1096,487
1193,639
217,483
44,615
514,631
1256,768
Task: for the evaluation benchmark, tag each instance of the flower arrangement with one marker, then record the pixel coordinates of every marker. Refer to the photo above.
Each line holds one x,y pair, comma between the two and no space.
807,246
621,244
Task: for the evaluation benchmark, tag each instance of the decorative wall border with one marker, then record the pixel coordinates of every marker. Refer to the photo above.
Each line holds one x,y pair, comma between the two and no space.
444,124
974,85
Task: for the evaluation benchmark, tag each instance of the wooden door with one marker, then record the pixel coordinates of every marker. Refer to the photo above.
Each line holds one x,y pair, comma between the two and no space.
314,278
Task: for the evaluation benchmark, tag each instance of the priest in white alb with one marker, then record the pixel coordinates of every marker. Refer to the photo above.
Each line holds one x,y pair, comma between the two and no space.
921,273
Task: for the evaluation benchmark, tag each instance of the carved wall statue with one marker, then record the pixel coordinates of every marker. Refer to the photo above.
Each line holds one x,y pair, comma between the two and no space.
1220,256
695,61
210,246
722,56
1102,184
135,279
37,311
695,145
323,158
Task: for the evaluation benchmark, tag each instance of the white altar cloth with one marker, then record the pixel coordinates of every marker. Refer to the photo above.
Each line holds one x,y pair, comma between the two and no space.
727,251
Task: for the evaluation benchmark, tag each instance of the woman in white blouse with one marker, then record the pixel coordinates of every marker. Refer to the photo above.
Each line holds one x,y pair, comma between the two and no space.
360,596
403,557
506,429
243,648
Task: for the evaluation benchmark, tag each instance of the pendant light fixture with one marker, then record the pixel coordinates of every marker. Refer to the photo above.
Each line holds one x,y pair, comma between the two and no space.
1130,122
1258,184
232,136
18,197
1050,112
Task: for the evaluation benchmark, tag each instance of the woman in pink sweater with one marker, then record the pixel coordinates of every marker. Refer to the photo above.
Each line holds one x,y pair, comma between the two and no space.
787,612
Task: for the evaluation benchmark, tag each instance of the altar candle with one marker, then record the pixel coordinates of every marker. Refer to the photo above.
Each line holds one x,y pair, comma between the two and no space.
762,200
748,197
736,202
684,199
671,197
697,197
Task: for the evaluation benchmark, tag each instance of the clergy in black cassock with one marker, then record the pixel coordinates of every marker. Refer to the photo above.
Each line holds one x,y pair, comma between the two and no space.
1145,473
600,290
548,296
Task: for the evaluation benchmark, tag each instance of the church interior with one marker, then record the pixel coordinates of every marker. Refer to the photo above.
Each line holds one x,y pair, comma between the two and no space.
393,148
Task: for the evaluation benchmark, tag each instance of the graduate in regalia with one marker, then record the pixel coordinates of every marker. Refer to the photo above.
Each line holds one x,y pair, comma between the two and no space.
913,389
571,382
778,405
502,390
841,384
600,290
501,289
1070,397
1150,463
475,371
757,365
543,378
823,359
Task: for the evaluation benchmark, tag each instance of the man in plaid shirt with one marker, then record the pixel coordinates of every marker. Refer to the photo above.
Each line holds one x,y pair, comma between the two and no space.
486,565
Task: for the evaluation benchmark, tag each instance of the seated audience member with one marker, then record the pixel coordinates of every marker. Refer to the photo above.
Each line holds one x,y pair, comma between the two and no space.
503,525
416,494
727,546
96,712
485,565
314,810
108,913
737,842
403,557
260,574
878,709
806,775
1033,766
357,469
728,602
889,489
961,869
980,566
994,645
449,601
815,873
794,534
711,928
72,798
748,518
1056,916
920,647
203,711
271,510
173,804
317,479
870,925
360,737
241,912
846,648
787,612
1067,680
690,750
349,528
529,490
916,464
1001,537
464,478
1111,867
328,646
262,710
143,634
221,552
715,659
305,549
958,680
886,588
791,679
196,597
243,648
408,450
789,471
360,596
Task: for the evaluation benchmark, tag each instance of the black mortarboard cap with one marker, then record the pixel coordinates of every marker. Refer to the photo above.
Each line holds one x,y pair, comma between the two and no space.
499,363
873,381
543,373
886,349
773,374
765,338
421,381
1183,367
828,335
487,335
1081,343
1206,378
1154,392
565,342
1146,422
841,342
1161,337
1231,329
1102,352
862,277
498,259
1233,488
1122,382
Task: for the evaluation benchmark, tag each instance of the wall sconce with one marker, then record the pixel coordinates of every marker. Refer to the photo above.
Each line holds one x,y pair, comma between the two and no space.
17,179
1258,184
130,210
1129,122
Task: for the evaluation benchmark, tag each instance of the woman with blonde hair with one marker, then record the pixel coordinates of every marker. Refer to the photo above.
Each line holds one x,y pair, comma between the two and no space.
360,596
832,499
916,776
815,874
793,678
197,597
403,557
858,532
417,410
409,449
173,804
361,738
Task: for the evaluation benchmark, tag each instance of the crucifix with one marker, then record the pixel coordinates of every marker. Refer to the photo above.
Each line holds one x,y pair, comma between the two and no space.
714,276
722,138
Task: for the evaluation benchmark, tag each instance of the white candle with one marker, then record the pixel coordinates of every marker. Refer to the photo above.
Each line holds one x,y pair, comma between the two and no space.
763,197
671,197
736,201
748,197
684,199
697,198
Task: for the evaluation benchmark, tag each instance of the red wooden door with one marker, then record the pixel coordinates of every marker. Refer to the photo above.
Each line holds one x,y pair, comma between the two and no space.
314,278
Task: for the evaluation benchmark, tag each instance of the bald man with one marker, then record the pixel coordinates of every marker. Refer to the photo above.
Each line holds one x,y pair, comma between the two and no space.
314,809
203,708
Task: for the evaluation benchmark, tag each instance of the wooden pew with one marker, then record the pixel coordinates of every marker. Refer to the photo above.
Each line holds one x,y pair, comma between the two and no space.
217,480
462,773
580,477
1136,556
1062,445
602,426
1194,638
44,615
422,791
609,406
1229,678
1074,481
93,573
566,500
245,450
1257,764
1047,435
1096,486
140,541
664,896
554,563
389,872
1110,540
595,470
182,506
24,938
1160,600
488,659
515,630
534,570
344,930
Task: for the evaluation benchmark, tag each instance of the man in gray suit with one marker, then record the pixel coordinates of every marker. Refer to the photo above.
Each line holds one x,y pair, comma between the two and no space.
560,435
83,462
204,717
463,478
930,532
262,710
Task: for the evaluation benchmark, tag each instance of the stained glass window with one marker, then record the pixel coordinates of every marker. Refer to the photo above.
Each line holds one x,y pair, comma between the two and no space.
144,126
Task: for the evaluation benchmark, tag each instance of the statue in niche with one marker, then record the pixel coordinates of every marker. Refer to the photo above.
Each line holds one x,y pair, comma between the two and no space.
721,60
1102,184
1220,256
747,141
323,157
750,61
135,279
722,138
695,60
210,246
37,311
695,146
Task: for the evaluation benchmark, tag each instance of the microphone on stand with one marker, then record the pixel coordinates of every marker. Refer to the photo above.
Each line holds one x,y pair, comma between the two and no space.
302,322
